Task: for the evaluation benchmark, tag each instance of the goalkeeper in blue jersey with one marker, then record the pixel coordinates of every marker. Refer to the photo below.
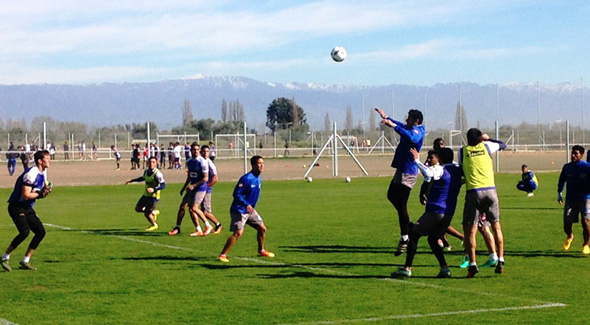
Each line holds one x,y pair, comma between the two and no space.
406,173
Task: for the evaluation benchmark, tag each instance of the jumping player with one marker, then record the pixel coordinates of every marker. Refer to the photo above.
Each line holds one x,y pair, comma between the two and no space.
31,185
242,210
406,173
154,184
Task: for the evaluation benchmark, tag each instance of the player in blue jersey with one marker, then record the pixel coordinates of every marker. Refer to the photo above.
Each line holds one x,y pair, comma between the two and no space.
529,181
154,184
440,207
406,172
195,178
31,185
575,177
243,209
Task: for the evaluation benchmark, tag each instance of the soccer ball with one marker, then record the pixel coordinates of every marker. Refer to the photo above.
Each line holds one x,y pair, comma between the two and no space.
338,54
309,179
347,179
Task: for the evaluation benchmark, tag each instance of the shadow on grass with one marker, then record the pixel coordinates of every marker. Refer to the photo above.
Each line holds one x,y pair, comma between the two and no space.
558,254
162,258
125,232
338,249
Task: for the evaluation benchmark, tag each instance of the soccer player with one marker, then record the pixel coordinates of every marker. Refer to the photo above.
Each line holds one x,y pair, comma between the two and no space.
206,206
243,209
117,155
574,175
154,184
195,185
529,181
439,211
411,136
481,197
31,185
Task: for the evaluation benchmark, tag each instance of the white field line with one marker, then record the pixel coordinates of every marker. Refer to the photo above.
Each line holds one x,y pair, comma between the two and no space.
6,322
538,304
448,313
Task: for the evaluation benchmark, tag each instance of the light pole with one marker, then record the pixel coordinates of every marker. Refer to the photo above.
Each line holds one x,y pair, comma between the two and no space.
559,125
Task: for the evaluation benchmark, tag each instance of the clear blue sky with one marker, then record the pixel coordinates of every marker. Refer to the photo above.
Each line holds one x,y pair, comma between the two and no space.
416,42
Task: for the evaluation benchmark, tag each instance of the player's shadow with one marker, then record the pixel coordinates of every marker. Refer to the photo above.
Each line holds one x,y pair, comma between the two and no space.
124,232
540,253
162,258
557,208
309,274
337,249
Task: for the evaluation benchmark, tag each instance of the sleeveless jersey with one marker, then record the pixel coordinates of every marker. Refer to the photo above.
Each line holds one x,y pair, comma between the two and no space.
151,181
478,168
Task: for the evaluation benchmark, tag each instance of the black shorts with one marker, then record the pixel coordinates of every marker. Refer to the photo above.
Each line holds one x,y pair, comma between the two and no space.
146,204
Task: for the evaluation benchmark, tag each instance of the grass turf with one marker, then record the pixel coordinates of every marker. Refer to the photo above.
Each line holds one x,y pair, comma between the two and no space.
334,244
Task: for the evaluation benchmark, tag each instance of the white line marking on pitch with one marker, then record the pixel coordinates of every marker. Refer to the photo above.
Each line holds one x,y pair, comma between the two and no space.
406,282
447,313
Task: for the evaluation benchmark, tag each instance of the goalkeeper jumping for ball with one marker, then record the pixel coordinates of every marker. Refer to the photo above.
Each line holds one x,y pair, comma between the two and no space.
31,185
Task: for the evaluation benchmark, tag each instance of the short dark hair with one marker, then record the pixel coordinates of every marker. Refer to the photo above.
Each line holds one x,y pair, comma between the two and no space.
577,147
436,144
474,136
255,159
446,155
39,155
416,115
204,147
524,166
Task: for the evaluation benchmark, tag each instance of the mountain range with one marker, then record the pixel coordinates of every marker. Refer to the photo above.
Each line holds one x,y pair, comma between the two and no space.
110,104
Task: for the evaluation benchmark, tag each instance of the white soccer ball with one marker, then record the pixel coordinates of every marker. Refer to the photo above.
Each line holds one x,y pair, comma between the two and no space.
338,54
347,179
309,179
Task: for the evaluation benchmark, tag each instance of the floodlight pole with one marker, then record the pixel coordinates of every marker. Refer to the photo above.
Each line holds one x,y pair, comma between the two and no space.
245,150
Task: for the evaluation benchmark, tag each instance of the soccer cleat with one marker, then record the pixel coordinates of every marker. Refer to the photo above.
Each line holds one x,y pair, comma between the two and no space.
401,247
197,234
465,263
472,271
489,263
218,229
26,266
443,274
266,254
567,243
499,268
223,258
402,273
207,231
156,214
586,250
152,228
531,194
6,265
174,231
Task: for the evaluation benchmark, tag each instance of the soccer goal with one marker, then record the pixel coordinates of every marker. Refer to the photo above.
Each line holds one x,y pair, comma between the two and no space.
232,145
165,139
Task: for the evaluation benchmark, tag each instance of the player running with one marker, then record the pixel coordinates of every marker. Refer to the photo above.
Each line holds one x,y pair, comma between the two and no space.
242,210
154,184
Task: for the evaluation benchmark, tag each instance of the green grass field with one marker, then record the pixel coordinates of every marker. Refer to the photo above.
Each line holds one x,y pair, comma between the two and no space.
334,253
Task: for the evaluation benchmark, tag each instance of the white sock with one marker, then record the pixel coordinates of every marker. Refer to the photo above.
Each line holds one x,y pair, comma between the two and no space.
199,229
501,259
5,257
494,256
404,238
26,259
207,224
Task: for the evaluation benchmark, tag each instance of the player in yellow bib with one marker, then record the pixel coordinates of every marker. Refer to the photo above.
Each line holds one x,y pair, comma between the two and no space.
481,197
154,183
